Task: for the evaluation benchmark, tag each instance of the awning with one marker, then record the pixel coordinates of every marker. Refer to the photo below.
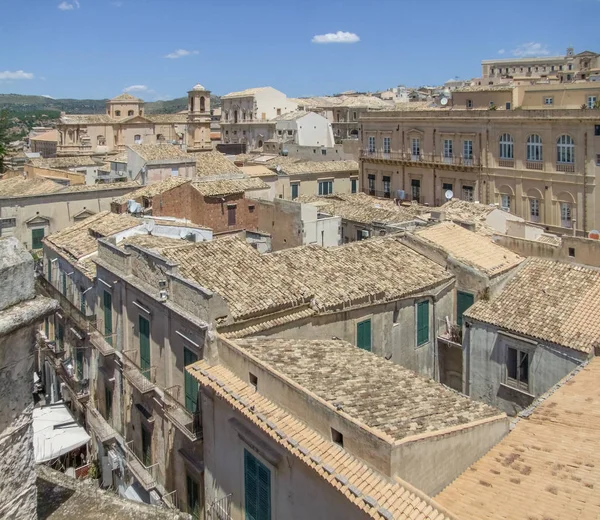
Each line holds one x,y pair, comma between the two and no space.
55,432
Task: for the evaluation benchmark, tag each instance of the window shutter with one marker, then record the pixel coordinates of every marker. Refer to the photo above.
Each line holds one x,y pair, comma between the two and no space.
250,486
190,383
464,301
264,493
422,322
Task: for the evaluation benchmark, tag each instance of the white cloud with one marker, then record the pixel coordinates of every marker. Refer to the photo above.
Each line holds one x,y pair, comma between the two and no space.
531,49
136,88
180,53
66,6
17,74
501,51
338,37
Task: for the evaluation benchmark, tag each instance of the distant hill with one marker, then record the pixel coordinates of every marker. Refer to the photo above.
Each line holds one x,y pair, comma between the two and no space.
17,103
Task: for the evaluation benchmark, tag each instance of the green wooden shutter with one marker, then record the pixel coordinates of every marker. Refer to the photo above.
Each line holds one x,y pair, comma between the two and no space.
145,346
422,322
82,303
36,238
463,302
108,317
363,335
190,383
294,191
257,488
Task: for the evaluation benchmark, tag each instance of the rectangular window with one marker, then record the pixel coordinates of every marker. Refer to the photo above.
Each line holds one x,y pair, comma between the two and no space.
295,188
548,101
146,447
49,271
363,335
598,159
534,209
416,148
36,238
79,363
463,302
323,151
468,149
371,144
446,186
325,187
108,317
371,180
517,368
387,144
231,215
469,103
193,497
60,336
64,283
507,106
174,172
257,489
565,215
597,130
82,303
591,101
108,399
422,322
144,326
354,184
505,202
447,148
190,382
387,187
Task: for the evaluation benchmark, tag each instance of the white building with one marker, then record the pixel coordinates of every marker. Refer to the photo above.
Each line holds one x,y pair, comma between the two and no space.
304,129
247,116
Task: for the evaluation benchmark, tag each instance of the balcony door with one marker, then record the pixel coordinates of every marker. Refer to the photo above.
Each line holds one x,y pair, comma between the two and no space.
146,447
190,383
145,346
108,317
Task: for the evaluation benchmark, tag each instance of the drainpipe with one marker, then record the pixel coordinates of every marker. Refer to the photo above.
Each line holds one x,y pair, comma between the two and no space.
584,213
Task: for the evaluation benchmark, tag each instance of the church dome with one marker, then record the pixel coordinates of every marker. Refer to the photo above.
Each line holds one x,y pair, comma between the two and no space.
197,86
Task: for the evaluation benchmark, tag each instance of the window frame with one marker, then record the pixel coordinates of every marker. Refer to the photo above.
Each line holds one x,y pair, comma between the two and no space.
422,338
372,146
363,322
248,454
517,381
534,209
387,144
468,149
535,148
448,148
505,197
415,147
565,149
36,239
321,183
507,147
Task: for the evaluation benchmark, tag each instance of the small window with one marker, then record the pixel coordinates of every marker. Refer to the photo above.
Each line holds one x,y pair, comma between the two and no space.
290,132
517,368
507,106
469,103
598,159
117,113
505,202
279,132
137,139
337,437
279,111
354,182
597,130
175,172
36,238
422,322
572,252
251,209
231,216
253,379
325,187
130,113
323,151
548,101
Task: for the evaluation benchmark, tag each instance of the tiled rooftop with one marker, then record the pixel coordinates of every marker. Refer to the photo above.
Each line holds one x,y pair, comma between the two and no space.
132,185
250,282
87,119
80,239
19,186
245,93
257,170
553,240
222,187
363,208
151,242
152,190
471,248
160,152
62,163
381,395
375,270
475,212
51,135
548,467
548,300
213,163
486,88
126,97
180,118
308,167
370,491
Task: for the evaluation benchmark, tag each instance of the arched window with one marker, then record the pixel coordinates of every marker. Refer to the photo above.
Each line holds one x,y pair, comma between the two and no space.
101,140
191,103
565,149
117,113
160,137
202,104
130,113
506,146
534,148
137,139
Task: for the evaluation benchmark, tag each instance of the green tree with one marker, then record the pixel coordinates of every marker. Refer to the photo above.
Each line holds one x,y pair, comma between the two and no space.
4,139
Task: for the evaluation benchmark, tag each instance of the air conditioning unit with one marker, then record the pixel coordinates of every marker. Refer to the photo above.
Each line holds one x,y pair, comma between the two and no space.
113,460
364,233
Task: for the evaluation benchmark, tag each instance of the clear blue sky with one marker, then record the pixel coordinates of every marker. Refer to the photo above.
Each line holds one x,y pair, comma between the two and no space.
98,48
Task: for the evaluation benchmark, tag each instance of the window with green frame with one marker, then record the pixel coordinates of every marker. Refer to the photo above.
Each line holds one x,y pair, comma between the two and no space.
463,302
422,322
193,497
363,335
190,382
36,238
257,488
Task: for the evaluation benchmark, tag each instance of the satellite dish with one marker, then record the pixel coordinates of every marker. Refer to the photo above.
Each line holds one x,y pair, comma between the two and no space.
449,194
444,101
150,226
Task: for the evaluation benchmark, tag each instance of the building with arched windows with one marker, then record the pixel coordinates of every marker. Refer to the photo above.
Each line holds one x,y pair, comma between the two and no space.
126,123
540,165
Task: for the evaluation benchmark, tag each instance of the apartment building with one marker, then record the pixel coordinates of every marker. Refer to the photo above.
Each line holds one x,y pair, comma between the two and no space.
282,441
91,354
536,331
300,128
126,123
540,165
584,65
32,208
151,163
247,116
45,144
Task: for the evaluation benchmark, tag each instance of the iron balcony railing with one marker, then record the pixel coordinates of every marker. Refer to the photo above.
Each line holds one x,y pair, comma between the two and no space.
98,341
189,423
424,159
147,476
220,509
142,379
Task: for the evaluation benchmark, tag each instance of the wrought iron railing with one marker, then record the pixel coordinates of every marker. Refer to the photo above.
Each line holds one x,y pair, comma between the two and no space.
220,509
103,430
146,475
143,379
189,423
456,160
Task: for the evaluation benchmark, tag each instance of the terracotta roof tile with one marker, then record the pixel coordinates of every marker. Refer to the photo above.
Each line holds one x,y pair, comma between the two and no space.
318,167
214,163
63,163
160,152
471,248
152,190
548,467
19,186
548,300
222,187
319,448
